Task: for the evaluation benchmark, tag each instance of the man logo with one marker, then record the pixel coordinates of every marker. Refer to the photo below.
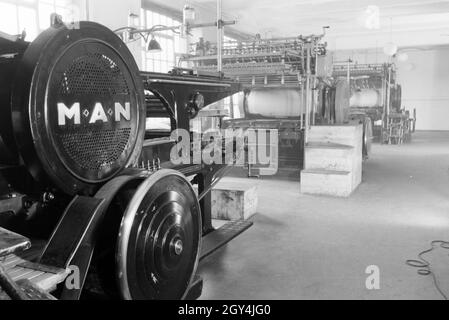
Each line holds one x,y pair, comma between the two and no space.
373,280
98,113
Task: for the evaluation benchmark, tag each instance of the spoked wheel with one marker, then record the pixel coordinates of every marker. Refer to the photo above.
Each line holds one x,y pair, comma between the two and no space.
159,239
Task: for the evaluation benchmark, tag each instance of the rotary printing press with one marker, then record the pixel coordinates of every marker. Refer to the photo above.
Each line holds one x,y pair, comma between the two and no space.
87,188
287,86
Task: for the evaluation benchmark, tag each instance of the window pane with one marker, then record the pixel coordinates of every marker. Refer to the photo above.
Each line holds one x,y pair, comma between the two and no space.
177,44
65,13
70,13
45,10
163,42
150,21
170,50
156,18
164,20
142,18
169,22
157,66
8,18
63,3
169,42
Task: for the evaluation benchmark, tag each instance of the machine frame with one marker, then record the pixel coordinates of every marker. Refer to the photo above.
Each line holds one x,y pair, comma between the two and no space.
74,222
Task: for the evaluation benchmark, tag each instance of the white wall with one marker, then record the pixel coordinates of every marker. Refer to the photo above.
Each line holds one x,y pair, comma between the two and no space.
424,78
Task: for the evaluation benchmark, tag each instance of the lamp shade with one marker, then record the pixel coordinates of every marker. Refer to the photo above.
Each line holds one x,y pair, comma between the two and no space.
154,46
390,49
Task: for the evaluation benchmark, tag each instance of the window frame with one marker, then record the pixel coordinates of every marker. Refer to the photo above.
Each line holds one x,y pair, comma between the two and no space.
171,43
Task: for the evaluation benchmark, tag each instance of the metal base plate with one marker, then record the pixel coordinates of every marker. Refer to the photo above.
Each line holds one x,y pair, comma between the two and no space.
11,242
218,238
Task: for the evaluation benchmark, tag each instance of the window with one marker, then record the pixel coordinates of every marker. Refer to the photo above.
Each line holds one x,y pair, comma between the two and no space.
33,16
65,8
171,43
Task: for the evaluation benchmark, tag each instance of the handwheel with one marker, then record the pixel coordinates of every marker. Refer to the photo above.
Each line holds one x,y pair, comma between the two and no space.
159,239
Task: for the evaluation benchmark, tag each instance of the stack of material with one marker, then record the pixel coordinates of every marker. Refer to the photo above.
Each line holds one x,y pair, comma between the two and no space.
333,160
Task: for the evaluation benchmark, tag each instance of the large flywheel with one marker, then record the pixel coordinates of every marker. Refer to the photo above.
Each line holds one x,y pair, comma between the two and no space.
159,239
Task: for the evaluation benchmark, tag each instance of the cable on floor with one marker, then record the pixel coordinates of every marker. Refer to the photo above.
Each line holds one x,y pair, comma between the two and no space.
424,266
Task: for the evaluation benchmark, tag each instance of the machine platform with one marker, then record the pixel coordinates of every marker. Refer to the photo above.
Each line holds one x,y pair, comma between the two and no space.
333,160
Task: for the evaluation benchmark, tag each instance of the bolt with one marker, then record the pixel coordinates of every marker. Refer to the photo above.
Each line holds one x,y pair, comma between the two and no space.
178,247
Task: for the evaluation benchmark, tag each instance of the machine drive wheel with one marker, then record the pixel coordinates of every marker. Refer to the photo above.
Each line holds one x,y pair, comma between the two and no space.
159,239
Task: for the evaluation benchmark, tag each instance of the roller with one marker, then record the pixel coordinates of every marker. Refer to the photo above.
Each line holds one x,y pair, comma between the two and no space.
366,98
275,103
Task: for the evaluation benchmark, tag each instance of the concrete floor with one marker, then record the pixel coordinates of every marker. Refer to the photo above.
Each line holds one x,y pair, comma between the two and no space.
312,247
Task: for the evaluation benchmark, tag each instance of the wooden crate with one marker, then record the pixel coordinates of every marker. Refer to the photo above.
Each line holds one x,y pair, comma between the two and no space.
234,199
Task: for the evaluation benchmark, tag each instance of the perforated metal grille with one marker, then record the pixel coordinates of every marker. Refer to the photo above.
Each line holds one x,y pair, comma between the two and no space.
94,73
95,149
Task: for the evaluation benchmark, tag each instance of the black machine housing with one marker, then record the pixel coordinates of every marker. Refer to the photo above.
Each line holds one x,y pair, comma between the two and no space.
73,133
